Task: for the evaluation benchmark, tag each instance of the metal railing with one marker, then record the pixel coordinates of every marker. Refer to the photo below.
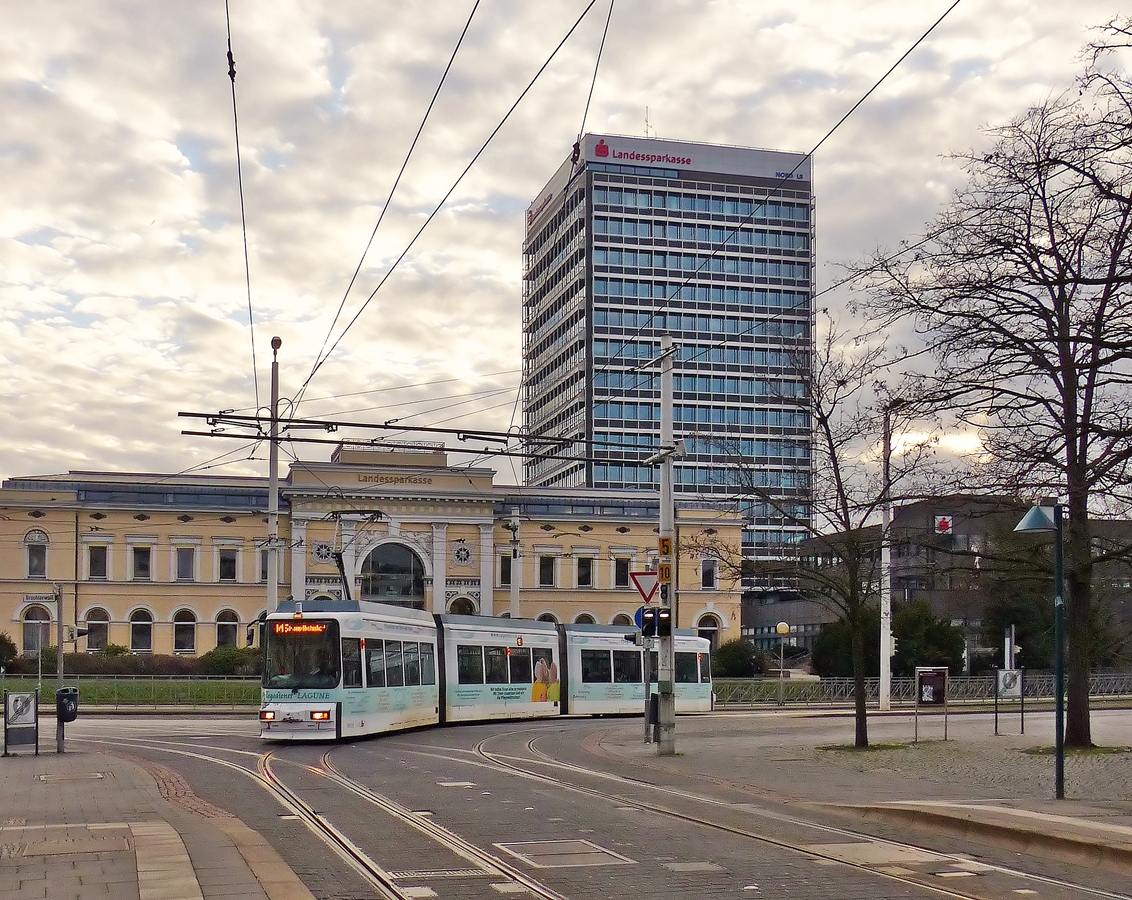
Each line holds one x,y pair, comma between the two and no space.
960,688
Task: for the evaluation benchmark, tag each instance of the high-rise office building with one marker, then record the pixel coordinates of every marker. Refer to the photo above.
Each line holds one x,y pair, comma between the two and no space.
635,238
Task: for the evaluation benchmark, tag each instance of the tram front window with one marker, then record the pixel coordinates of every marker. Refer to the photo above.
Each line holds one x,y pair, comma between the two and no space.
302,653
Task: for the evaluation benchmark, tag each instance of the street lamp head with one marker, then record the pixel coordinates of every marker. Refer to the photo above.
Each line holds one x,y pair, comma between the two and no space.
782,628
1039,519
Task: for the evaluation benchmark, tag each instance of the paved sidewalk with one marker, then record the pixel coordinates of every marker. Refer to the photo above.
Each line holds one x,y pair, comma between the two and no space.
987,787
82,825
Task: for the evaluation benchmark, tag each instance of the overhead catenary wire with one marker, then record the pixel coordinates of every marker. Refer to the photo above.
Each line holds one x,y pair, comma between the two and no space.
392,191
788,176
577,153
323,357
243,212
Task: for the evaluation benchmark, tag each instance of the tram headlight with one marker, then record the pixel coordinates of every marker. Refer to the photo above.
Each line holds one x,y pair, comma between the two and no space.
320,715
267,715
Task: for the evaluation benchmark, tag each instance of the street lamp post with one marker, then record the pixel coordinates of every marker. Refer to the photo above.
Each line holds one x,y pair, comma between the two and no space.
1045,519
782,629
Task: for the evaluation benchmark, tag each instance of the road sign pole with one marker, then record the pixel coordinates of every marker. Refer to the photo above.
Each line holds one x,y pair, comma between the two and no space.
666,740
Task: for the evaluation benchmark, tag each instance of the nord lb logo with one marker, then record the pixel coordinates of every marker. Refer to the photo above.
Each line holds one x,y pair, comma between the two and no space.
602,149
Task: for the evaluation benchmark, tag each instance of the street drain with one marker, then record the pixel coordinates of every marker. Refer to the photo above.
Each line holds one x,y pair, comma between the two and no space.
561,854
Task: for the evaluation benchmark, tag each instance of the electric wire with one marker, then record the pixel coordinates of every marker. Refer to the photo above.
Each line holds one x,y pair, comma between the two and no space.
756,206
321,360
577,153
392,191
243,212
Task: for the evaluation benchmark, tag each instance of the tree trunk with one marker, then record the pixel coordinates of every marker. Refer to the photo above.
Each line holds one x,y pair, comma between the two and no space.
857,639
1079,587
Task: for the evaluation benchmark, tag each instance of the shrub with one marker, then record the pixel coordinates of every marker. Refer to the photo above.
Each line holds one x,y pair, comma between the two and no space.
230,661
8,650
736,659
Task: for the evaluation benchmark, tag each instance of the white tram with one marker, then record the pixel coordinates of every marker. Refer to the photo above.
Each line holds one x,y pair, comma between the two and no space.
335,669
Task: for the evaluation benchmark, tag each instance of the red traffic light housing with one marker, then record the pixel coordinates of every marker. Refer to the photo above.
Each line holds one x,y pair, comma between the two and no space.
649,621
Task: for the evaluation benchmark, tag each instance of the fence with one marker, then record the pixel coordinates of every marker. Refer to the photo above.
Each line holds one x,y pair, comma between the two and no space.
235,692
116,691
834,691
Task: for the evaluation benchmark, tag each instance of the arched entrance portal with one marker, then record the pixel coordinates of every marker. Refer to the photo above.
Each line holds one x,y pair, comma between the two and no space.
392,573
708,627
462,606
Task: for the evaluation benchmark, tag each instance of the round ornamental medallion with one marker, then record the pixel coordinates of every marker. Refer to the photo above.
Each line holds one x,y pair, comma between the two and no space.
462,555
322,552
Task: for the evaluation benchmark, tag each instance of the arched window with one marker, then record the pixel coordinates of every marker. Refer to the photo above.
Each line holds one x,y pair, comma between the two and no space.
548,617
35,553
708,627
462,606
392,573
141,631
584,619
98,630
37,629
184,631
227,628
621,619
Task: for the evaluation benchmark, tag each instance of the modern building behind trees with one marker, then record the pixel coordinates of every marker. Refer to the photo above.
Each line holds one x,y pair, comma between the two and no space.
960,555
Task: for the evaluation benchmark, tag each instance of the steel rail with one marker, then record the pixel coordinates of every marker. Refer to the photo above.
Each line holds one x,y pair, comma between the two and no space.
544,759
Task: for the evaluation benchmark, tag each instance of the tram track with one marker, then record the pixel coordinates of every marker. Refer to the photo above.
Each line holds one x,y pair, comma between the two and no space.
264,772
509,763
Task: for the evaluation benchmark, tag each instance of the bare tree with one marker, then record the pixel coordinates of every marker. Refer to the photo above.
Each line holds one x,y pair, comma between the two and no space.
1020,290
838,563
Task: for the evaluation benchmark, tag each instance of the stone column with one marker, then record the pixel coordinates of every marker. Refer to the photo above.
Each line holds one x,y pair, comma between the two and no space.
439,566
487,569
299,551
350,557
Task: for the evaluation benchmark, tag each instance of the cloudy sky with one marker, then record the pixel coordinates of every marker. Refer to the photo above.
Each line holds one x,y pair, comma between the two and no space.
122,285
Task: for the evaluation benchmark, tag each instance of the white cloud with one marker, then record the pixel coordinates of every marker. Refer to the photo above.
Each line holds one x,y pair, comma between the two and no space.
122,294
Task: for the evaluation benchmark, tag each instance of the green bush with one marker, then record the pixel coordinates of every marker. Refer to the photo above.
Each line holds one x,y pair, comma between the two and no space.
736,659
8,650
231,661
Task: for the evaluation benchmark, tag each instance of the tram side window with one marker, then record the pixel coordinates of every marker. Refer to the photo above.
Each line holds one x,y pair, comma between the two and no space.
705,667
375,663
596,667
428,664
469,664
412,656
546,657
687,669
654,667
495,664
626,666
394,668
351,662
520,664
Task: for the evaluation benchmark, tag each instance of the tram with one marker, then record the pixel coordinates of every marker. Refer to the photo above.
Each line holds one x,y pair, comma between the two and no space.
339,669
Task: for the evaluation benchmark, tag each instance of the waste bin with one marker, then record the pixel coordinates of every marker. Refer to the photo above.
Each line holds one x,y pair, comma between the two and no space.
67,704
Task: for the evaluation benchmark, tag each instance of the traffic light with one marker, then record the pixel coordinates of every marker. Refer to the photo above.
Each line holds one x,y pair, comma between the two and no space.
634,638
664,622
74,632
649,621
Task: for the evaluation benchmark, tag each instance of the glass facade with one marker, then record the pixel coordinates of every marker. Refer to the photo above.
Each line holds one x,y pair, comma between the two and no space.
713,246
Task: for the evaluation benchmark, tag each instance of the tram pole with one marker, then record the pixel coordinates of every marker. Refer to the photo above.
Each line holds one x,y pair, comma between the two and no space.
666,656
273,484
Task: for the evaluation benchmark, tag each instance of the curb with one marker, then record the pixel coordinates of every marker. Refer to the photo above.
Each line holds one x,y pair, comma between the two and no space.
1072,848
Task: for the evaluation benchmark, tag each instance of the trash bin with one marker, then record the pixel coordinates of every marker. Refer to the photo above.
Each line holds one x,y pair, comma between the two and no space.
67,704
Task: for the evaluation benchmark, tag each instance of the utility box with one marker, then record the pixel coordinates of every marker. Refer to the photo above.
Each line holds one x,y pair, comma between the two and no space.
67,704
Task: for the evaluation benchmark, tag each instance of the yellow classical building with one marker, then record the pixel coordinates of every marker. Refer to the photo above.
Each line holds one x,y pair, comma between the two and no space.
177,563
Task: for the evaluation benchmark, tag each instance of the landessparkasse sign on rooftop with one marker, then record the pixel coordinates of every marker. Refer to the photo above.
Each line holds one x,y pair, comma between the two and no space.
628,151
684,156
